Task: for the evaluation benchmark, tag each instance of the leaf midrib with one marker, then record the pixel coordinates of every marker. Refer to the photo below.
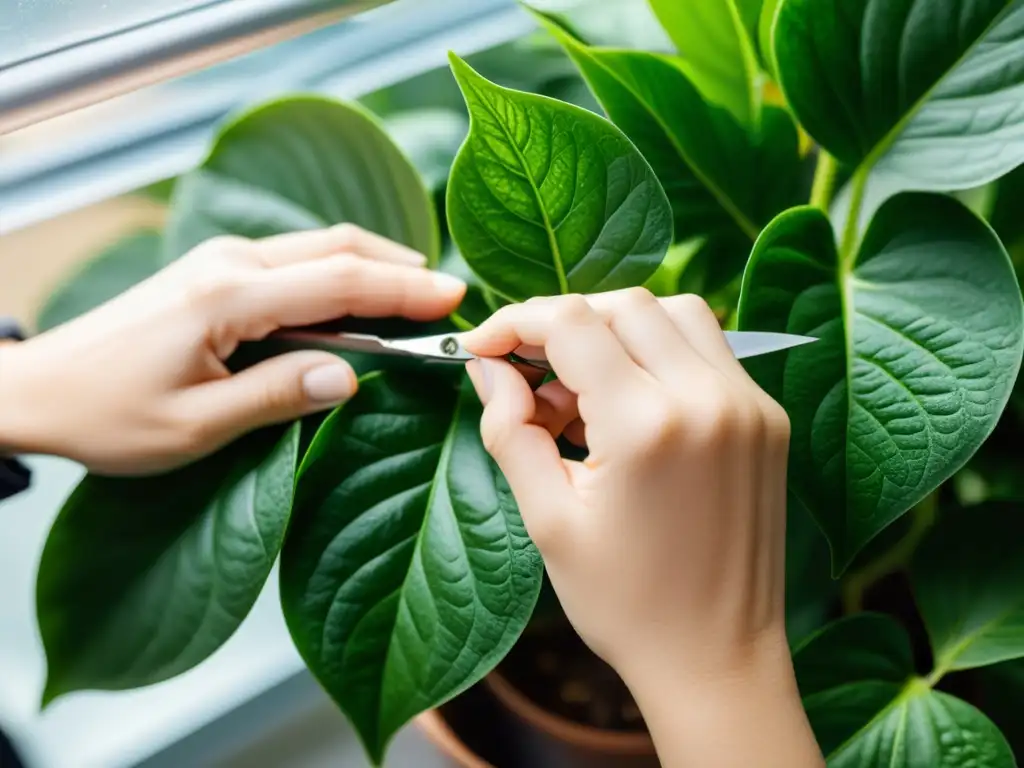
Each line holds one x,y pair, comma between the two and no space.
891,136
749,229
442,462
556,254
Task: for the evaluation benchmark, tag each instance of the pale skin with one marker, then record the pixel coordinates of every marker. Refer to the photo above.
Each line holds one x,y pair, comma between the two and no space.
666,546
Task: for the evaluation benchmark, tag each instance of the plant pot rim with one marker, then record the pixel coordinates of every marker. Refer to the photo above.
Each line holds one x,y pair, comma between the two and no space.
433,725
637,743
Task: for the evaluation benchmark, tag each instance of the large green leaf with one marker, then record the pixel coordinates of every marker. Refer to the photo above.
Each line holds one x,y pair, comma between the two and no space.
864,646
115,270
408,573
724,182
867,711
302,162
142,579
547,198
925,92
810,590
715,39
920,340
968,578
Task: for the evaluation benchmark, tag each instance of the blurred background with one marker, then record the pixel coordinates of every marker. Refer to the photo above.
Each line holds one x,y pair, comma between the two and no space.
102,104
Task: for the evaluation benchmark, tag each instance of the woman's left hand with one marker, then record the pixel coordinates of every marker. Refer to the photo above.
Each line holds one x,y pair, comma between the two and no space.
139,385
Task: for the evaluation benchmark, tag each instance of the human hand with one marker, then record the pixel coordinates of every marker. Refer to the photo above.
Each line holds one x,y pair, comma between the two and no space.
666,546
139,384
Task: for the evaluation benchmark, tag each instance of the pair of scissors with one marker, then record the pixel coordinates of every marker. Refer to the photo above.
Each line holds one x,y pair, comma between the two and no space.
447,347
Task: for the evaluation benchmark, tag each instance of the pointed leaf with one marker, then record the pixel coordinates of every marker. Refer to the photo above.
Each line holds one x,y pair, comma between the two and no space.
715,39
722,182
115,270
968,577
142,579
303,162
407,574
547,198
926,92
920,341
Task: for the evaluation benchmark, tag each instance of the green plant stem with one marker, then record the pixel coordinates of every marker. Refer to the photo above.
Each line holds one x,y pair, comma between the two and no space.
848,246
895,559
824,180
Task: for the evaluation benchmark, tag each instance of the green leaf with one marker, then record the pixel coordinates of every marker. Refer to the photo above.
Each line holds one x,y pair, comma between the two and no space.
877,725
302,162
864,646
810,591
926,92
408,573
968,577
142,579
548,198
479,302
920,340
723,182
868,712
715,39
764,34
115,270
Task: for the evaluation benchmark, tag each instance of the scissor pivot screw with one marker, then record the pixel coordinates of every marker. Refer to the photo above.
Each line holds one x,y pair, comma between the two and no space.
449,345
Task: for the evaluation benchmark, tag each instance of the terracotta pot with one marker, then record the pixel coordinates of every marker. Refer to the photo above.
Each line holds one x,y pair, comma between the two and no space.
433,725
553,741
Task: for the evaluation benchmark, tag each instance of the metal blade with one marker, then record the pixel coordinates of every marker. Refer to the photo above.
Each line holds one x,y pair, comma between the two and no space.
443,347
348,342
754,343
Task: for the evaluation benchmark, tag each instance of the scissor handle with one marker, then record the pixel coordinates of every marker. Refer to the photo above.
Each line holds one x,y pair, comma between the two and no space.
543,365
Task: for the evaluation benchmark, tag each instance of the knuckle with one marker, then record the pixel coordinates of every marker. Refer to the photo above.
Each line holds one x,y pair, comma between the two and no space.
572,308
776,420
494,432
210,288
729,415
691,306
225,246
660,423
349,236
637,298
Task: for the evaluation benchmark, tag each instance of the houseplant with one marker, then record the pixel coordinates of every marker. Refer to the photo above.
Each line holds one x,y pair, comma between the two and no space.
406,574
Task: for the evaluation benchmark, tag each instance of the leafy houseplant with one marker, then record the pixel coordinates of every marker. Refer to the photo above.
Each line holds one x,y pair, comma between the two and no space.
406,573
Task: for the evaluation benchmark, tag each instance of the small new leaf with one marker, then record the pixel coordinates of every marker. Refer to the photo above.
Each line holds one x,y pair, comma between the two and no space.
547,198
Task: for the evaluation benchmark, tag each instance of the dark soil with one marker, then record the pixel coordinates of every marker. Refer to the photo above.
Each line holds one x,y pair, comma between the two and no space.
553,667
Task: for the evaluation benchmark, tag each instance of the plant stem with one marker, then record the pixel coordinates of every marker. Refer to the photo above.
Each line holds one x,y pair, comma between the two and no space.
896,559
824,180
848,246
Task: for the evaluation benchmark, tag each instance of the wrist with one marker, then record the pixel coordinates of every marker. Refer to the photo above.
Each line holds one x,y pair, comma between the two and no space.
742,709
21,420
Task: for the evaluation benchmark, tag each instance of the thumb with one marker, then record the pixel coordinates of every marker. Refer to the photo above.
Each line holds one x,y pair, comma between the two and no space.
525,451
276,390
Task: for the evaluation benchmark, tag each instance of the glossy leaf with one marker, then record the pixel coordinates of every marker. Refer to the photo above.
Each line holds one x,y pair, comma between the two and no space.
723,184
867,711
115,270
810,590
864,646
142,579
302,162
968,578
715,39
927,92
920,341
548,198
408,573
765,24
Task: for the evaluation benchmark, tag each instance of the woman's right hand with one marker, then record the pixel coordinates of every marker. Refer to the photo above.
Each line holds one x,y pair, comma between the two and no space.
666,546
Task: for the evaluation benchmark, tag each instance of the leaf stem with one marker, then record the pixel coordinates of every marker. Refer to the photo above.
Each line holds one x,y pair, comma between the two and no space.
824,180
895,559
848,246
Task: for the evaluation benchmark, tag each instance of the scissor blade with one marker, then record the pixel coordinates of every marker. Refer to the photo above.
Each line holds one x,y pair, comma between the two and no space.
348,342
445,346
754,343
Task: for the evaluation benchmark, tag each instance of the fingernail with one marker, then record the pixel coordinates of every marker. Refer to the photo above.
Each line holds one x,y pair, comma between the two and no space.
329,384
481,373
449,284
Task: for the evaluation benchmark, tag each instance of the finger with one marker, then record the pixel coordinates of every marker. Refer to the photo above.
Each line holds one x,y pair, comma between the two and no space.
649,334
576,433
581,349
524,451
698,323
556,407
276,390
330,288
306,245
